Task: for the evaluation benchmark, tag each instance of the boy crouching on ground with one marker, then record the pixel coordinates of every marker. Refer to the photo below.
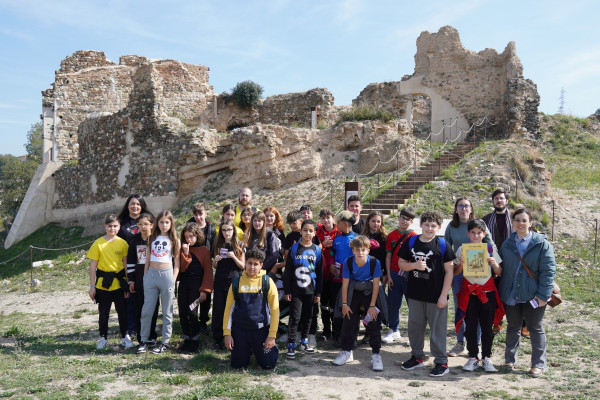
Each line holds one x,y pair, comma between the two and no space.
252,315
360,287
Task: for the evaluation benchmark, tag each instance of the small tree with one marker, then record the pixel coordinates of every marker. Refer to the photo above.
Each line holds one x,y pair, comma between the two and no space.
34,142
246,94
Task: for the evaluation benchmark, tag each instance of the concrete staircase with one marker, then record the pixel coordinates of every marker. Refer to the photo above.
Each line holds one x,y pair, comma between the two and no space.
390,199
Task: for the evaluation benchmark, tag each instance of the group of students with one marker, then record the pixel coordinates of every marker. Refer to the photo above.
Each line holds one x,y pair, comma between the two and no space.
339,267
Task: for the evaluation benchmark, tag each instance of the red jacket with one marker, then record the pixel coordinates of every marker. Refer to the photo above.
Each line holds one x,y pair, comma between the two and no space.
466,290
327,257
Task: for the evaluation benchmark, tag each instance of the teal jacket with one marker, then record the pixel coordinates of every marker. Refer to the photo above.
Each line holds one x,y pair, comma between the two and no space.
539,257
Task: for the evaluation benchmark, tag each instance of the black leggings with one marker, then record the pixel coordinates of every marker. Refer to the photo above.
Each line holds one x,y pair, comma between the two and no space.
219,301
105,298
186,295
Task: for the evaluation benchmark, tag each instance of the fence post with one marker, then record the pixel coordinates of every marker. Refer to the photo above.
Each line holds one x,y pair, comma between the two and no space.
553,204
31,265
331,196
516,186
415,166
595,240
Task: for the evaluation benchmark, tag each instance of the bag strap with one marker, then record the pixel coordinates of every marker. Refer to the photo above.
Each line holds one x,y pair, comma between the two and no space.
235,288
349,264
529,272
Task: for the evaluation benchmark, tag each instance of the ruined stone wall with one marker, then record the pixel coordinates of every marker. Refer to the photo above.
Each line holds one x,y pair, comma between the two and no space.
522,101
384,95
183,91
295,108
475,83
86,83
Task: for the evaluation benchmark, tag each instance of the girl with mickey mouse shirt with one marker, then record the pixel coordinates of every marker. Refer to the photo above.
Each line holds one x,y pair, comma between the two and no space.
160,272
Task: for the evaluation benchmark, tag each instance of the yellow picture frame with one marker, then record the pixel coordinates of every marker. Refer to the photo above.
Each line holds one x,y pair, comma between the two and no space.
475,255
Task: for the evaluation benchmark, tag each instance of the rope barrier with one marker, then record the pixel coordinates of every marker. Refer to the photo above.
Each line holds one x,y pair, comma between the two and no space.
64,248
14,258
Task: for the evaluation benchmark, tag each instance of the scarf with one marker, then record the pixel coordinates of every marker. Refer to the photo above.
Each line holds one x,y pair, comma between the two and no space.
492,226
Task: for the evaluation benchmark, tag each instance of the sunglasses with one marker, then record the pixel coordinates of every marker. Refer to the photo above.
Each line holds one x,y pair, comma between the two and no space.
463,207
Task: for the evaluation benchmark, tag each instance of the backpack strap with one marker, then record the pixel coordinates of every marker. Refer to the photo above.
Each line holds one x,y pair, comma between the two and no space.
443,246
401,240
266,283
411,241
373,264
235,288
349,264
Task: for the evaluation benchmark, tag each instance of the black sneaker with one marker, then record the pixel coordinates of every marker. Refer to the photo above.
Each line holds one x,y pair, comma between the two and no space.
291,351
412,363
185,347
439,370
142,348
194,346
161,348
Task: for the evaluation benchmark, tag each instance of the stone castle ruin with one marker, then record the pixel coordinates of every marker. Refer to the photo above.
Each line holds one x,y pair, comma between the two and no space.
156,127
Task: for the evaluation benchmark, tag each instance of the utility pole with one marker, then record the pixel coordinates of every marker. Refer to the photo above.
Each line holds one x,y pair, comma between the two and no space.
561,107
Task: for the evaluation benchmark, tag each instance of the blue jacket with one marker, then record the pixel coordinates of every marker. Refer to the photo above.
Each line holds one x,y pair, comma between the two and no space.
539,257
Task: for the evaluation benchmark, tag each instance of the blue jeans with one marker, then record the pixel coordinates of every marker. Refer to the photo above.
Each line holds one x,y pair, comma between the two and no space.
456,283
395,294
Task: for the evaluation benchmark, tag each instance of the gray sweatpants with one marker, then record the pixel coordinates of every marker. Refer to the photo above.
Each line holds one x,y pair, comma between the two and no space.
419,314
158,282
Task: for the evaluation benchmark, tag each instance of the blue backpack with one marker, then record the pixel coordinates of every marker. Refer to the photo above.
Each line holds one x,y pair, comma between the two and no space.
411,243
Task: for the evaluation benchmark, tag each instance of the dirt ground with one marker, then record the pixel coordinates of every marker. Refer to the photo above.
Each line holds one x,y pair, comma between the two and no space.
312,376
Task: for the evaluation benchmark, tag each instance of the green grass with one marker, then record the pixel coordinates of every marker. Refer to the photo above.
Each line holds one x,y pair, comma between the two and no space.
366,113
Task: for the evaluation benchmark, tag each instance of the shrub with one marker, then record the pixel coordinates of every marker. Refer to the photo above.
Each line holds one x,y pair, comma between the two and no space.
245,94
366,113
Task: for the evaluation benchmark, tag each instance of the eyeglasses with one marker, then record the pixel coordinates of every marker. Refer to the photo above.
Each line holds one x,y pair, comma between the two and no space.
463,207
403,218
144,224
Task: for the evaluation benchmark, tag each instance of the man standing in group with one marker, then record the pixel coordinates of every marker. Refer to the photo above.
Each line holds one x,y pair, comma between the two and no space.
244,201
498,221
355,206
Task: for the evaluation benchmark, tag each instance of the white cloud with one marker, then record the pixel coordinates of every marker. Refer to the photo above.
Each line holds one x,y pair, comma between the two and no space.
582,66
7,106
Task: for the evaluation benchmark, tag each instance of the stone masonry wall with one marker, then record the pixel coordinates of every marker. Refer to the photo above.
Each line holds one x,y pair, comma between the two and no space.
474,83
384,95
295,108
86,83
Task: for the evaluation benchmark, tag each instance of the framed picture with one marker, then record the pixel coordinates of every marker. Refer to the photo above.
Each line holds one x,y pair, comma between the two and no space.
475,255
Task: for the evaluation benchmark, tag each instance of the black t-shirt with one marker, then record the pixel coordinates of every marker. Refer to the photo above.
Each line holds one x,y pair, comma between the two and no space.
378,249
294,237
128,228
138,249
226,271
358,227
426,285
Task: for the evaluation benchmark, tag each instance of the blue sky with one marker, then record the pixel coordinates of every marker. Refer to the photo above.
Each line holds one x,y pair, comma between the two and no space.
290,46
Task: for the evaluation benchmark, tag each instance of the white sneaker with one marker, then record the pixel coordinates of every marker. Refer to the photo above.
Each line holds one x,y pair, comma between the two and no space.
376,362
127,342
487,365
391,337
471,365
343,358
458,349
101,343
312,341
